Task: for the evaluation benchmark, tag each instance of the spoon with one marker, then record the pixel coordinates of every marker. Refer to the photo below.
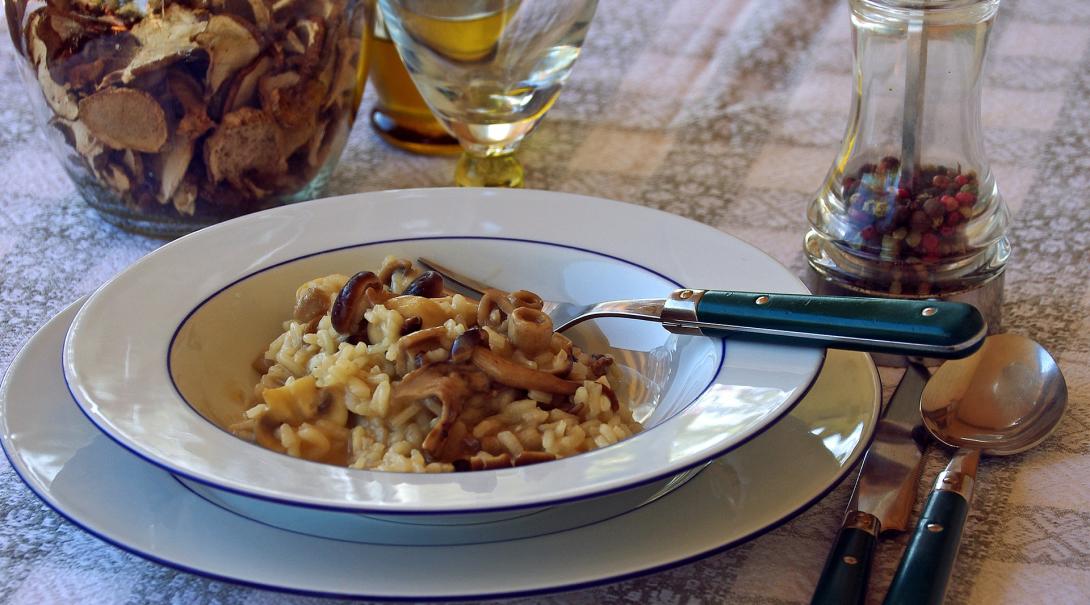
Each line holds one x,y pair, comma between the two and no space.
1002,400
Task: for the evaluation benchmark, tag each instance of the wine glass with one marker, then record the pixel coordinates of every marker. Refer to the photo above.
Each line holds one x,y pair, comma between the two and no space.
489,70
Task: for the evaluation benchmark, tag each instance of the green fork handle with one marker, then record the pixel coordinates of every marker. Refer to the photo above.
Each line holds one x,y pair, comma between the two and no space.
879,325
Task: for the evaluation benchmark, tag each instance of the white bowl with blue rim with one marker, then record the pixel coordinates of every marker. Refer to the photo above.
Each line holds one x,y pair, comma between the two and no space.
159,357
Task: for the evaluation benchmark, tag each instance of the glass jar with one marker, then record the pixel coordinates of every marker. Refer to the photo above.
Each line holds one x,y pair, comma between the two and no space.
171,115
910,207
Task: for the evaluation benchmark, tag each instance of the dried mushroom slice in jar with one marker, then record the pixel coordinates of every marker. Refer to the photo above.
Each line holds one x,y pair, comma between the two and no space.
195,108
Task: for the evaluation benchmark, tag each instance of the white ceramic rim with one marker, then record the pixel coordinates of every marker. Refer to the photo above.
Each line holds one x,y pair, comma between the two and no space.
115,353
98,486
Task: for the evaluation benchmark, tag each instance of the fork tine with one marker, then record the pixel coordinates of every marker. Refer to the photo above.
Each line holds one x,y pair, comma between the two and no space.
462,281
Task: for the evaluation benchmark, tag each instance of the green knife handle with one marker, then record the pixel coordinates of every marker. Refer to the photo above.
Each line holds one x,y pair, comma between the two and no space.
879,325
925,568
844,578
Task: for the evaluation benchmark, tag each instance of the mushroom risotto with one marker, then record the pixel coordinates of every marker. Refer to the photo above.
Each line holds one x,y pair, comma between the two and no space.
390,372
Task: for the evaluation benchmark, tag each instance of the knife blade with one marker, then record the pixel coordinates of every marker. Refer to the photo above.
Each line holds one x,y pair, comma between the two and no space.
884,493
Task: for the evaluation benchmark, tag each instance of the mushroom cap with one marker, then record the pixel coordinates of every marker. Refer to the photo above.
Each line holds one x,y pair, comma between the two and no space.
350,304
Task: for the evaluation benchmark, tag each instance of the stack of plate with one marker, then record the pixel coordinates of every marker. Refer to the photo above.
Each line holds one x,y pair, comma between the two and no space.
118,437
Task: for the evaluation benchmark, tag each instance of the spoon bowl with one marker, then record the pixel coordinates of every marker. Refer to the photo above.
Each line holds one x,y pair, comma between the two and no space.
1003,400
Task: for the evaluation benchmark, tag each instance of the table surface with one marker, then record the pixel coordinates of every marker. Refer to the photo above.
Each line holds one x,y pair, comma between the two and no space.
728,112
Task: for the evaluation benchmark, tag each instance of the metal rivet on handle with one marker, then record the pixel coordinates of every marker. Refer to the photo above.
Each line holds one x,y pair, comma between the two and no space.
685,294
762,300
929,311
934,527
850,560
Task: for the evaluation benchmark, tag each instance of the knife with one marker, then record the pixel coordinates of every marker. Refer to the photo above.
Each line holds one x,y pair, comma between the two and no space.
883,496
930,328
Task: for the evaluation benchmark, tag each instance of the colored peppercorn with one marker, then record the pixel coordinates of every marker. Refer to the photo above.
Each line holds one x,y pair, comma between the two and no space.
896,217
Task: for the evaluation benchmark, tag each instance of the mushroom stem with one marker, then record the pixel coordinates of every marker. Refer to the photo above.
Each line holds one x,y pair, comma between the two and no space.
529,330
511,374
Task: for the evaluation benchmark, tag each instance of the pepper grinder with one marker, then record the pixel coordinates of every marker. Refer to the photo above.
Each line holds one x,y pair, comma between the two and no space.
910,208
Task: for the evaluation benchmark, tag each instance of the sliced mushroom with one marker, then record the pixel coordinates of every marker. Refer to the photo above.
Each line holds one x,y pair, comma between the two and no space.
231,45
413,346
104,53
294,103
528,457
125,118
614,403
252,11
315,298
165,37
244,87
599,364
116,178
350,305
449,384
262,15
391,269
310,35
346,76
185,198
310,303
511,374
187,91
293,45
285,79
429,312
171,166
173,163
247,140
483,461
80,138
60,100
420,338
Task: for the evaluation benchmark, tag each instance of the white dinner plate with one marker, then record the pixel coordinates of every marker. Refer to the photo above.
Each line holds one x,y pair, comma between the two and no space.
127,502
183,325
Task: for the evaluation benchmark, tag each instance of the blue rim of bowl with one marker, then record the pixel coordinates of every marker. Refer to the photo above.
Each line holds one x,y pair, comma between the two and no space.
845,471
409,511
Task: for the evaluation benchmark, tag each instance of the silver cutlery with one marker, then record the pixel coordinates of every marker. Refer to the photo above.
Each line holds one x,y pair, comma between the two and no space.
884,493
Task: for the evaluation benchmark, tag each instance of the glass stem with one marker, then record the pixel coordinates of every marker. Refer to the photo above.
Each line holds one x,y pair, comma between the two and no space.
489,171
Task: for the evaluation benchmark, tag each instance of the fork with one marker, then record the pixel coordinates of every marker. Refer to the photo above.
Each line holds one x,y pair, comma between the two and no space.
930,328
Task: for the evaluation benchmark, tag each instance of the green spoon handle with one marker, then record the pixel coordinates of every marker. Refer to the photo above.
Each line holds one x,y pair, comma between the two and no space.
878,325
925,568
844,578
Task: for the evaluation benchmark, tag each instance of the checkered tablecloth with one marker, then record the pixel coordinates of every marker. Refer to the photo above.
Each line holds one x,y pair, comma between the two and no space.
724,111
